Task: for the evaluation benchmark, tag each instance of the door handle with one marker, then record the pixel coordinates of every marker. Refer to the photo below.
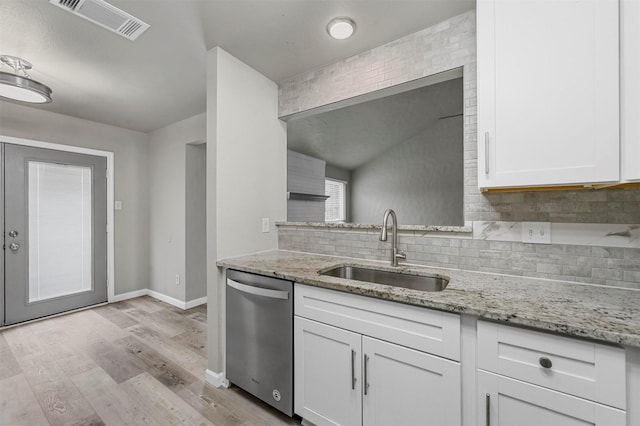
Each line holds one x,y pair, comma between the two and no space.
486,153
366,381
353,369
258,291
13,234
14,246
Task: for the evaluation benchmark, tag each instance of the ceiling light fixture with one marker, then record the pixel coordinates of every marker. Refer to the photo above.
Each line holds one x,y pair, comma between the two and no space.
21,87
341,28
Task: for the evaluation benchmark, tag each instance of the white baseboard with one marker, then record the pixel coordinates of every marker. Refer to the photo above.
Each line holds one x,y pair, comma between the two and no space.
129,295
167,299
215,379
162,297
195,302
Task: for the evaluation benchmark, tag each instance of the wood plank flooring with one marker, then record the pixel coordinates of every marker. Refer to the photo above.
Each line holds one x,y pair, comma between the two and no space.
137,362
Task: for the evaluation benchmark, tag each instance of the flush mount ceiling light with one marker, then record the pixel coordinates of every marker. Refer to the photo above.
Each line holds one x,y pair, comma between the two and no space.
341,28
21,87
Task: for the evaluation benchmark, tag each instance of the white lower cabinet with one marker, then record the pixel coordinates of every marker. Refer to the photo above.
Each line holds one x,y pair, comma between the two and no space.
408,387
344,378
508,402
526,377
327,385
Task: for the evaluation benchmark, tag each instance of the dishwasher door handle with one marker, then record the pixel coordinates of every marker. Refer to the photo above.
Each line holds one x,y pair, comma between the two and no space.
258,291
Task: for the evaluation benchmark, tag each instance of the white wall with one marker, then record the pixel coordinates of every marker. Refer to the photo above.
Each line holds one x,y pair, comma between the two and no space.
167,200
247,143
131,184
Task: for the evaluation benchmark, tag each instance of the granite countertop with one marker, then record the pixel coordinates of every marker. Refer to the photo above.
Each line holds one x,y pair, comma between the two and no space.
467,229
580,310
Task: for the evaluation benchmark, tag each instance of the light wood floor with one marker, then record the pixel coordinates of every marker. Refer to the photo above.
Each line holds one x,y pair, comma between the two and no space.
138,362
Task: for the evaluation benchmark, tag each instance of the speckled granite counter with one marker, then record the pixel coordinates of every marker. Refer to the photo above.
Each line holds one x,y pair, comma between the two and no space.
467,229
589,311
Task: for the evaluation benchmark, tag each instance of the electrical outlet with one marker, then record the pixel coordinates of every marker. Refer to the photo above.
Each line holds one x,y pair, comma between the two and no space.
536,232
265,224
177,279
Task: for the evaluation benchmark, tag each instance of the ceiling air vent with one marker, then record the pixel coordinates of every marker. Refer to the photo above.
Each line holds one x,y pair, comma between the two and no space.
107,16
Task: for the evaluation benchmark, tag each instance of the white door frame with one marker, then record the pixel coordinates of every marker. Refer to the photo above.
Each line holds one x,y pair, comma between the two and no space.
111,282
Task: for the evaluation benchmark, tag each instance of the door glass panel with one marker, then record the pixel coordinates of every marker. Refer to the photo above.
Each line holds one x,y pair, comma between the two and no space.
60,249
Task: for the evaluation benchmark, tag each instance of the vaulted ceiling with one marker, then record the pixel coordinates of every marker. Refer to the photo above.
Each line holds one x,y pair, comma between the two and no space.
160,78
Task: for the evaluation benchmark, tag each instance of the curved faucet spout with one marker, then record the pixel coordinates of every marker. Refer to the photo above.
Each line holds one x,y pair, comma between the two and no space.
385,221
395,253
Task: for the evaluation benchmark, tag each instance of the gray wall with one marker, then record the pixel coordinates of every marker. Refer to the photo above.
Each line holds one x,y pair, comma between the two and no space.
131,179
305,175
196,221
420,178
167,198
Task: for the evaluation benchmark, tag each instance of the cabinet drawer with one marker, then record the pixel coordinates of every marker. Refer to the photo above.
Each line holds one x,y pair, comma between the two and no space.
585,369
419,328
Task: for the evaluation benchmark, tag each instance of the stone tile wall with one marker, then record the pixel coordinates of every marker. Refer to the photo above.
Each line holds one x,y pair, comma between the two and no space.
611,266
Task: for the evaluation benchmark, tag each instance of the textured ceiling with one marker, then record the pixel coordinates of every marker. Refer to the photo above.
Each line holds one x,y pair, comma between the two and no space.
351,137
160,78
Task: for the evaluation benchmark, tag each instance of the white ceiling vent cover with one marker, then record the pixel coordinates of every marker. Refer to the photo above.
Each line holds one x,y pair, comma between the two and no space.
107,16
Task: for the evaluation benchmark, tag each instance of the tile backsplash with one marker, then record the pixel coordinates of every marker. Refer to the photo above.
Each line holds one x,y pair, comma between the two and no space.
581,206
614,266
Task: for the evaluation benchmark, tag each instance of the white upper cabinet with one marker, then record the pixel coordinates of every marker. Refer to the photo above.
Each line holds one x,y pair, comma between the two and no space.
630,88
548,92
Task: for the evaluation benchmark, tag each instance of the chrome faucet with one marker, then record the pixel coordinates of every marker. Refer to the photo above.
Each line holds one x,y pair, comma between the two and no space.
395,253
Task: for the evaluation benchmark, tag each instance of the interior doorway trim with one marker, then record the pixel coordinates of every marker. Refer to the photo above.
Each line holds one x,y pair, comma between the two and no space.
111,282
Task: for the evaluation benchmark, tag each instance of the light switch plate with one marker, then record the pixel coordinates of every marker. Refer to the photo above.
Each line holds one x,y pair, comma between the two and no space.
536,232
118,205
265,224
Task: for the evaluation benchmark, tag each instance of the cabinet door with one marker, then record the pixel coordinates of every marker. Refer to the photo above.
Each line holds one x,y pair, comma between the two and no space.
406,387
327,374
548,92
630,88
504,401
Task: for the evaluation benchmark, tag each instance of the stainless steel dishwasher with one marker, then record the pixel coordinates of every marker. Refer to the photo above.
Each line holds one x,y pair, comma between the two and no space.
260,337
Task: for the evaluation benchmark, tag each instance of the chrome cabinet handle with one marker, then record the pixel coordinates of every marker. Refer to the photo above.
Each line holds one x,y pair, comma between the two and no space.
486,153
488,409
545,362
14,246
366,381
353,369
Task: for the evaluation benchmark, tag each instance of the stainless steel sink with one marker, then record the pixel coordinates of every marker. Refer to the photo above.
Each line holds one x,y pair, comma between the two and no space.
395,279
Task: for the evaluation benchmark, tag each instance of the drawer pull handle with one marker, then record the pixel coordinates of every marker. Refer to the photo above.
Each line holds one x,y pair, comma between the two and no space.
545,362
